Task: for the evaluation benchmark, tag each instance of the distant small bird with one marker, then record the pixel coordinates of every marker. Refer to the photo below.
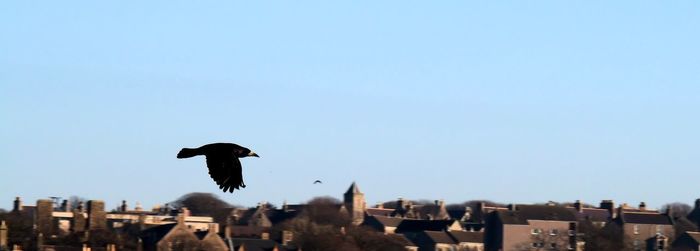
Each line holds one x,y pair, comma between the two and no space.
222,161
318,182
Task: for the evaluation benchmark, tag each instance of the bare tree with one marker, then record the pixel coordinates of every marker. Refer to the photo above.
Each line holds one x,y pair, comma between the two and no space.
326,211
205,204
678,209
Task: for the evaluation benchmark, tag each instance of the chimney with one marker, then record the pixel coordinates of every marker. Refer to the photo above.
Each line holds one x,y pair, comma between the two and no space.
642,206
81,207
441,203
513,207
17,205
380,205
285,207
44,217
400,203
97,217
138,207
65,206
214,227
697,203
180,218
3,236
610,206
185,211
578,205
123,207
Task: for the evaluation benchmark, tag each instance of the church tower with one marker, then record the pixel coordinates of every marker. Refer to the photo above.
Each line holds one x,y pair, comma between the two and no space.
355,203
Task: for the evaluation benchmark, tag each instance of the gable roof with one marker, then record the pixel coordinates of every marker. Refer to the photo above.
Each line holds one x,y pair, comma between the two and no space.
465,236
439,237
379,211
523,213
646,218
388,221
154,234
591,214
409,225
695,236
353,189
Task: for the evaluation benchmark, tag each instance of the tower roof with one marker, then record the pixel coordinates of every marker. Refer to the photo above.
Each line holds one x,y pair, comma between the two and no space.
353,189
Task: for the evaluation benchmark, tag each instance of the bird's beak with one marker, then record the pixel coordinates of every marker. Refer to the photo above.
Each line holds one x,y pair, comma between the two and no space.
253,154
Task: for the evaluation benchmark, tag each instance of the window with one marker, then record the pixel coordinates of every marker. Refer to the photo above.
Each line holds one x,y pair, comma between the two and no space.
572,232
659,229
635,229
553,245
553,232
536,231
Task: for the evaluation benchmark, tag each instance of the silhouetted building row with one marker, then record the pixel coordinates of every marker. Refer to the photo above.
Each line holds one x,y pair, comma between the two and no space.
424,226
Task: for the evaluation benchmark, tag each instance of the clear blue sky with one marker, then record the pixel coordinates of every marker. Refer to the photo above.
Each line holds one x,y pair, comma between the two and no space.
512,101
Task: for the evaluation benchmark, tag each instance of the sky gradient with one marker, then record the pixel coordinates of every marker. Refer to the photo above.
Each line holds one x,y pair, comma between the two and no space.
512,101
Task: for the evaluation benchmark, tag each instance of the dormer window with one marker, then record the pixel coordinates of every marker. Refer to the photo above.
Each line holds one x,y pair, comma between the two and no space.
553,232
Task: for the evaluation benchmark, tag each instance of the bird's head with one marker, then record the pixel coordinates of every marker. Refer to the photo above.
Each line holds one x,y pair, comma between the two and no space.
253,154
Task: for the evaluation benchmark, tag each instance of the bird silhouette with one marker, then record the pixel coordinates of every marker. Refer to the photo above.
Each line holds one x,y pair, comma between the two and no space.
222,161
318,182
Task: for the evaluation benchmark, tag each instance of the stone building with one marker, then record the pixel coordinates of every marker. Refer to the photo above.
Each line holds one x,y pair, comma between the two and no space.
645,229
354,201
179,236
531,226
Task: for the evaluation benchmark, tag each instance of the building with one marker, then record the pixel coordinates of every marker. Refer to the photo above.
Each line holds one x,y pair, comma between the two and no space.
180,236
354,201
645,229
531,226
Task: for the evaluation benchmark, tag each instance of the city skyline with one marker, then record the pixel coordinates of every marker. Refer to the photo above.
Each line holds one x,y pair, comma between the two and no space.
511,102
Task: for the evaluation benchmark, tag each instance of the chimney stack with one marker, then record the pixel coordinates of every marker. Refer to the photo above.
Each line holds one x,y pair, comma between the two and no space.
512,207
17,205
578,205
180,218
3,236
65,206
123,207
610,206
642,206
400,203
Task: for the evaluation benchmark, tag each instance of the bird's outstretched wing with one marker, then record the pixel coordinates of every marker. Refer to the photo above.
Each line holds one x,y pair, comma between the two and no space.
318,182
226,171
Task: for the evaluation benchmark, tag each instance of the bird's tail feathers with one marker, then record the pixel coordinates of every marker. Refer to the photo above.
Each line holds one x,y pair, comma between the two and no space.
188,152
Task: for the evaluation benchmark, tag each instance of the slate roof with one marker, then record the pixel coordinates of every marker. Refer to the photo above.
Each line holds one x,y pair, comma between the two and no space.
694,235
410,225
456,214
592,214
465,236
388,221
646,218
155,234
523,213
379,211
353,189
439,237
407,241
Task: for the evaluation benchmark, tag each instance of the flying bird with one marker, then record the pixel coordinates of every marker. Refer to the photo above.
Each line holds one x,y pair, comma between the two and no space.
318,182
222,161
